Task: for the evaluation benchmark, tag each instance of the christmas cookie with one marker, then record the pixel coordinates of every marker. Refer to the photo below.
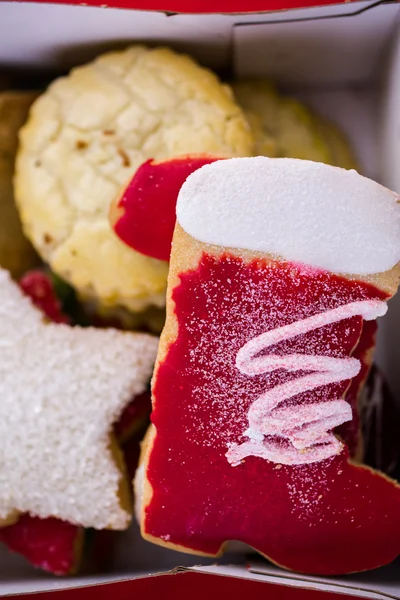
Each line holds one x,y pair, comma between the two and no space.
62,548
85,138
62,389
52,544
49,544
284,127
145,214
277,269
16,253
38,287
341,152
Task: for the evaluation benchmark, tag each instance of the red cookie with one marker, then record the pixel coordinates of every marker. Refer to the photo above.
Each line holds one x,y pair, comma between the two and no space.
134,419
49,544
279,268
37,285
144,217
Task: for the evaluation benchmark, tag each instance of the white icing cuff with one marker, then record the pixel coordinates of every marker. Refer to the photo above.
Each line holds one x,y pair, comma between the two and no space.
300,210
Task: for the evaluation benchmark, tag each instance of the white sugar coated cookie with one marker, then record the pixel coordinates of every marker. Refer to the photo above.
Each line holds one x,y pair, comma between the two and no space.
62,388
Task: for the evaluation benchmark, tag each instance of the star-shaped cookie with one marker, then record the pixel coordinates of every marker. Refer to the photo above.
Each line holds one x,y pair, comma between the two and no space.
61,390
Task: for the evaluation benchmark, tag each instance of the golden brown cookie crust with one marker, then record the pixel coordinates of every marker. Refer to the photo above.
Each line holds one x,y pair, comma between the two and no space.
85,138
16,253
284,127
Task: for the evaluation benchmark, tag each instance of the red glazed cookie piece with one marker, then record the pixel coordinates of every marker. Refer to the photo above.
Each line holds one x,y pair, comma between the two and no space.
134,418
37,285
49,544
144,218
262,358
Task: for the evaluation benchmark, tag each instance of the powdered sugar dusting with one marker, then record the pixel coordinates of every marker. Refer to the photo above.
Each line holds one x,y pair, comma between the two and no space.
307,428
62,388
311,518
227,305
300,210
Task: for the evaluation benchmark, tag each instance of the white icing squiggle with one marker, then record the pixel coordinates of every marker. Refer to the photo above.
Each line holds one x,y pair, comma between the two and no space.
306,430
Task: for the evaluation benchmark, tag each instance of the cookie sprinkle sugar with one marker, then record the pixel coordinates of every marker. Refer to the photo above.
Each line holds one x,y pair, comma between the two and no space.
61,390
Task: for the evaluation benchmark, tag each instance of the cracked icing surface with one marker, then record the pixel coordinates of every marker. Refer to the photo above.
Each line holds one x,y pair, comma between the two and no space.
61,390
85,138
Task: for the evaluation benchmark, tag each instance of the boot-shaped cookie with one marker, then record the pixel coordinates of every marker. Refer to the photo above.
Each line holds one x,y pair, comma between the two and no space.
279,269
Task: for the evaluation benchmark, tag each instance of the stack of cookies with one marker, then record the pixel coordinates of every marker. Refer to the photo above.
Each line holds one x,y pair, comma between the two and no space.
87,135
140,194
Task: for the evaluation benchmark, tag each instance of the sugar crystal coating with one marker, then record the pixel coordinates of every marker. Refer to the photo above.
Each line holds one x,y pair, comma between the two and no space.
299,210
61,390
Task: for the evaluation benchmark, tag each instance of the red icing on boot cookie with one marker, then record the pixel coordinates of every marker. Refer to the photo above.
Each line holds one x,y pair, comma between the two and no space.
328,517
350,431
146,212
278,268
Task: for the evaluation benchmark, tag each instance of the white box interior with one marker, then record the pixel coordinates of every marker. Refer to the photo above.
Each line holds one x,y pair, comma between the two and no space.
343,60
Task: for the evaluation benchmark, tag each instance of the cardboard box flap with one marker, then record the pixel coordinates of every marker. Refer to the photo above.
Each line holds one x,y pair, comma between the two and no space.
201,6
389,139
353,43
380,584
60,40
343,87
51,584
133,558
383,582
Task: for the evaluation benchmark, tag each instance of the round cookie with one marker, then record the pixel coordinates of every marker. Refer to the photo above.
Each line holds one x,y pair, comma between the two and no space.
16,253
342,155
284,127
85,138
